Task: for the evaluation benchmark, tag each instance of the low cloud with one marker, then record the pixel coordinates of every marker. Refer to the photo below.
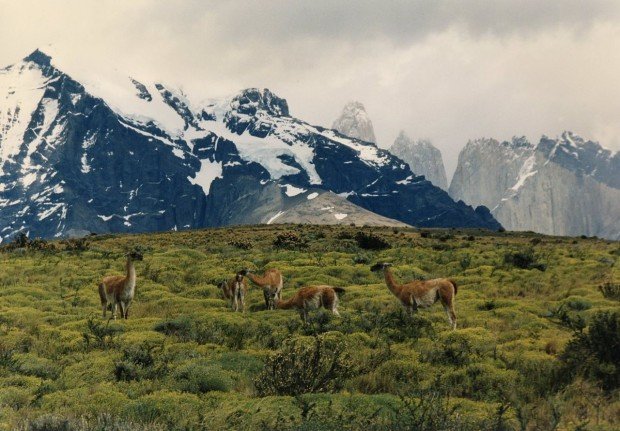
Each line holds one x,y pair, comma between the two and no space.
446,70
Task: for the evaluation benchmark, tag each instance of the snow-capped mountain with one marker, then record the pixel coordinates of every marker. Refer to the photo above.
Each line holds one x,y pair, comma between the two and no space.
131,156
562,186
355,122
423,158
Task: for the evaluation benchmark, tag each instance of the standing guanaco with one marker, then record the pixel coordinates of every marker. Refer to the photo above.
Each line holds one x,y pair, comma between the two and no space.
420,293
234,290
120,289
271,282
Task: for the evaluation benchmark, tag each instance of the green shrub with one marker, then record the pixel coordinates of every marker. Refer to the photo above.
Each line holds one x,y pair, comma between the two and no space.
242,244
50,423
370,241
610,290
181,327
465,262
362,259
199,378
99,334
76,244
480,382
578,303
572,321
289,241
455,350
32,365
318,364
594,353
139,362
523,259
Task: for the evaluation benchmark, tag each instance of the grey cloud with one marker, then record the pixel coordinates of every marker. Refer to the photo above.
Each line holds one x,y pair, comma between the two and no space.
448,70
400,21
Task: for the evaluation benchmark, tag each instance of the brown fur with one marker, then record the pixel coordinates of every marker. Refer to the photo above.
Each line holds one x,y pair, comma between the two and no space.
235,290
120,289
271,282
312,298
422,294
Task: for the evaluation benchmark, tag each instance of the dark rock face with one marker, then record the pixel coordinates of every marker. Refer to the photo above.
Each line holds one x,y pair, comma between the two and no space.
82,166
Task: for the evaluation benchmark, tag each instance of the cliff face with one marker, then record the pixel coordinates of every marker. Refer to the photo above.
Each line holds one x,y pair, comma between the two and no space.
487,169
422,157
563,186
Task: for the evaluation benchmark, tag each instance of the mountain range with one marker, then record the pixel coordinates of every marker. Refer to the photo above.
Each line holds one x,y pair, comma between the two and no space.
559,186
134,156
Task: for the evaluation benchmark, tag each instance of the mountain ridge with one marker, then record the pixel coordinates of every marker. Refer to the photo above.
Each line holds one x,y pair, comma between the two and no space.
562,186
151,160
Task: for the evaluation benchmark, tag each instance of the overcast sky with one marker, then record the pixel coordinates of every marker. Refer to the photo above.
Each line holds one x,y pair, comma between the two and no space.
449,71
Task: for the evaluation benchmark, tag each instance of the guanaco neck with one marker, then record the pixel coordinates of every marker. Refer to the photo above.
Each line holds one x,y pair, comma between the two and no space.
391,282
286,304
131,273
260,281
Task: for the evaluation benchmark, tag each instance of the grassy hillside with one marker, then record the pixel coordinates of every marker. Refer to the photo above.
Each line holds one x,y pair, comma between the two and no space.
183,360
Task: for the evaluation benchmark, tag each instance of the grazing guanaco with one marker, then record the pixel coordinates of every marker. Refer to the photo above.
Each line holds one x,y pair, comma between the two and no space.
312,298
271,282
120,289
235,289
421,293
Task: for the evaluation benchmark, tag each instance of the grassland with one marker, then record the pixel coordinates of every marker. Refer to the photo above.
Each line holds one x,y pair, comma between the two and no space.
183,360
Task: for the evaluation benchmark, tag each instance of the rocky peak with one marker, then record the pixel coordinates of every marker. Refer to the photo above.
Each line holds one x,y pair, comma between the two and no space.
252,100
582,156
520,142
422,157
39,58
355,122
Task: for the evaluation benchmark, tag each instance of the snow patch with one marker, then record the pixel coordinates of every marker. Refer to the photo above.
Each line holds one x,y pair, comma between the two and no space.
28,179
292,190
266,151
369,153
45,214
275,217
312,196
340,216
209,171
22,87
526,171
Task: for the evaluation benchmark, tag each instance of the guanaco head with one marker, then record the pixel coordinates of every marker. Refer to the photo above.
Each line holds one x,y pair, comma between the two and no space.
135,255
380,266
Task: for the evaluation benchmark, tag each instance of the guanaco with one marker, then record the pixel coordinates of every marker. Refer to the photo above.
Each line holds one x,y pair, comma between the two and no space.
420,293
234,290
118,289
312,298
271,282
